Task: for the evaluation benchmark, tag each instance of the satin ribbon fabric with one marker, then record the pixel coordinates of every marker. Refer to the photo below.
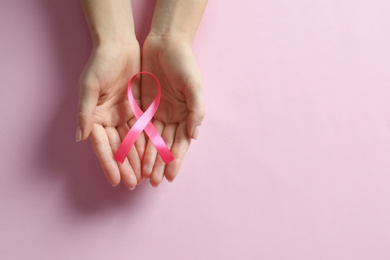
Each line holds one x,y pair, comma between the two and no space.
144,123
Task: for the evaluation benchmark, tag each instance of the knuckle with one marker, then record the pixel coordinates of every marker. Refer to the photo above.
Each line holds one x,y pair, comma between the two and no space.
100,143
82,115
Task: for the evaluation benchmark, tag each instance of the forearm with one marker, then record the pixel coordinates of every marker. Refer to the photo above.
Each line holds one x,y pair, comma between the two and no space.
109,21
177,18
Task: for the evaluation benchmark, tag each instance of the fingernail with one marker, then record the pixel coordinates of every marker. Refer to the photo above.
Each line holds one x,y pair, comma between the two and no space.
196,132
78,134
132,188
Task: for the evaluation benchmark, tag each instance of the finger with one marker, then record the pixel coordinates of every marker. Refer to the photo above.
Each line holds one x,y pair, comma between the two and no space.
158,170
150,152
132,156
88,98
126,171
179,149
101,146
195,105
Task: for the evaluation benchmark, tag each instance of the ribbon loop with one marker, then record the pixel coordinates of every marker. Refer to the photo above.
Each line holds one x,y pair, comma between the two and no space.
143,123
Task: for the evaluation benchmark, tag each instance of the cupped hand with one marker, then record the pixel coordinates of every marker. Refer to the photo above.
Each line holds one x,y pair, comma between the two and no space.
104,111
181,108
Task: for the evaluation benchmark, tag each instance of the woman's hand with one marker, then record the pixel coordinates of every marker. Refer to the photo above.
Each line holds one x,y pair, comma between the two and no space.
104,111
181,109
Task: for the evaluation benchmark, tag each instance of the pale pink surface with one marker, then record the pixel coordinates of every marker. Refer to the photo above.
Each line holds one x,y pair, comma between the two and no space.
292,161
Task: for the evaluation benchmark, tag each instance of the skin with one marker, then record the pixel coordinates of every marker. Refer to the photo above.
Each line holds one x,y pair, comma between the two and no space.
167,53
104,113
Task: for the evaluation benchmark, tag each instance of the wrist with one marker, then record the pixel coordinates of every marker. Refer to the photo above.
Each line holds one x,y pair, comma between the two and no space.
170,39
117,44
116,51
113,38
109,21
169,34
177,19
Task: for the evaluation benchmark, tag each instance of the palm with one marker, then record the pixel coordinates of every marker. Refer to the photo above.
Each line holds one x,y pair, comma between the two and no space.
106,75
113,108
173,106
175,67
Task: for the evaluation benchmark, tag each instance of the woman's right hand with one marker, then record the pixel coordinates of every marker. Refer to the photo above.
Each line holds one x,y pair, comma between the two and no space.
104,112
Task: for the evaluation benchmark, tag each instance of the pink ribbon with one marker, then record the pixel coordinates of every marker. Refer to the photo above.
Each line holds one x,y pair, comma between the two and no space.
143,123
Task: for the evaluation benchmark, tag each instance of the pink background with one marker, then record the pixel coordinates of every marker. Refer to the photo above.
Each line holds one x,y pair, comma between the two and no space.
292,162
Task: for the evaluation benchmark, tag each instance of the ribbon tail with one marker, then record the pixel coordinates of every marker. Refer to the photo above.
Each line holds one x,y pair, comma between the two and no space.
159,143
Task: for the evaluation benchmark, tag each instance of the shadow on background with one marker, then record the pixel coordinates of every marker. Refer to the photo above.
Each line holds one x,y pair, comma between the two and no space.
76,164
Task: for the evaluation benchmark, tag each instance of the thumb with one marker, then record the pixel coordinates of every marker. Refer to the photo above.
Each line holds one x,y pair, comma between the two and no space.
88,98
194,98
